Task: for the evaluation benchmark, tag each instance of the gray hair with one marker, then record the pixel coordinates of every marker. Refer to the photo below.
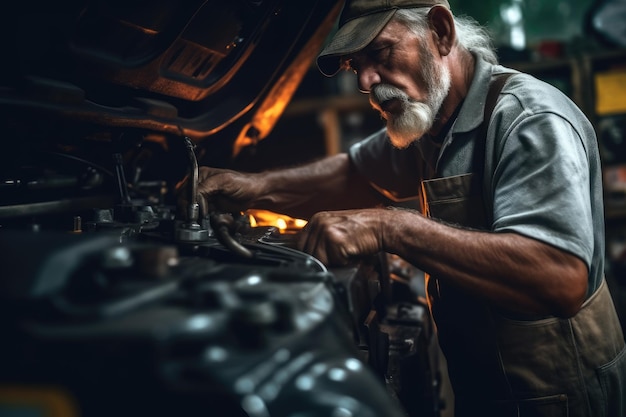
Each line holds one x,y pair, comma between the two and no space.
471,36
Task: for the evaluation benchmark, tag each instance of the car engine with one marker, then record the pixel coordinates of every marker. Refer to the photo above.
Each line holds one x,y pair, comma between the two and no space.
115,298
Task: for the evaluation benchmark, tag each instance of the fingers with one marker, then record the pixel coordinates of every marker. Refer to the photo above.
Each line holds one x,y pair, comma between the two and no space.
307,237
209,181
204,206
330,239
183,195
218,190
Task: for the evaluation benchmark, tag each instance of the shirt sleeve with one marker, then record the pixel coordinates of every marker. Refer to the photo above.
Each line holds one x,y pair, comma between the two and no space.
541,184
396,173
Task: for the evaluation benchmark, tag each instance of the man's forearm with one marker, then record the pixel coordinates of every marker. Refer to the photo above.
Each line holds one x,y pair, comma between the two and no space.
514,272
328,184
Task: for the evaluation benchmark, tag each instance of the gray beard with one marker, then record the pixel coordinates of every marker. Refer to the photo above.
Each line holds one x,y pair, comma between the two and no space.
416,118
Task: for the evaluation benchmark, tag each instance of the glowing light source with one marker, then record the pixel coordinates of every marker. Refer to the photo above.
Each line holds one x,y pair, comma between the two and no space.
282,222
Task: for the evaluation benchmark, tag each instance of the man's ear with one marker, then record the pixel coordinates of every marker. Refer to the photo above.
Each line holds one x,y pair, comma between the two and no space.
442,24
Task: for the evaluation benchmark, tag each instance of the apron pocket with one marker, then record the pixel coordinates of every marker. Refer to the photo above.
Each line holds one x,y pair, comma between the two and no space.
457,199
612,377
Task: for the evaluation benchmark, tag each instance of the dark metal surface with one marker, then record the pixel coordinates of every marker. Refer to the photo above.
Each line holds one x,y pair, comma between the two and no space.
113,300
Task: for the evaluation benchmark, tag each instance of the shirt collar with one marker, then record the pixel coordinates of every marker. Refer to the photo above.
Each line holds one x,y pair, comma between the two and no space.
472,110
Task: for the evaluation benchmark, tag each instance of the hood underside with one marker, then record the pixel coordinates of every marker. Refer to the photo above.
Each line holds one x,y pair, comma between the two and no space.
188,68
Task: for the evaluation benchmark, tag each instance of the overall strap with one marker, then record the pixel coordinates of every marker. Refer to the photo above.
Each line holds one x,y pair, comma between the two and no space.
479,157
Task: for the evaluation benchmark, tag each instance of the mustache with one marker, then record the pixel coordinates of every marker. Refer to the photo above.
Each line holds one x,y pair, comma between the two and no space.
381,93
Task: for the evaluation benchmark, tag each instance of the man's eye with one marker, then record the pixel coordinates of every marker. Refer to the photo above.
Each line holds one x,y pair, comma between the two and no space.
367,57
380,54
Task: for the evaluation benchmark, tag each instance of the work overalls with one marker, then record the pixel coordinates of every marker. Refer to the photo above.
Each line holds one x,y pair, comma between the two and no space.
505,367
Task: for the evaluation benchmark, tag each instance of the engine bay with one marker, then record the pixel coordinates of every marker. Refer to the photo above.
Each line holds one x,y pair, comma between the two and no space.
117,299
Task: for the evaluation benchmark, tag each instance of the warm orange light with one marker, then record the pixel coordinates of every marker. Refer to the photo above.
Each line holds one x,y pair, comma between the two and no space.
284,223
281,223
253,222
275,101
300,223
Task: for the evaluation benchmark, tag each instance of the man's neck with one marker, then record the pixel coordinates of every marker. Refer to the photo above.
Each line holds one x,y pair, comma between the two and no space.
462,67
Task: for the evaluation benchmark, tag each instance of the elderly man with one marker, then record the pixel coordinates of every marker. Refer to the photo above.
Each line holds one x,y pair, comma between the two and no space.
511,235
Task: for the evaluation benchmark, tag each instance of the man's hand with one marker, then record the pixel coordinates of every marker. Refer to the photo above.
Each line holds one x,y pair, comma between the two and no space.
221,190
341,237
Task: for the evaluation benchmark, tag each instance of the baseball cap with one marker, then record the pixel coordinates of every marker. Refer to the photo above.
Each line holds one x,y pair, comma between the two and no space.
360,22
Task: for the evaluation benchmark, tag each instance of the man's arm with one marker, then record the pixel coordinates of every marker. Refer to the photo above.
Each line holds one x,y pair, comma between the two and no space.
511,271
515,272
331,183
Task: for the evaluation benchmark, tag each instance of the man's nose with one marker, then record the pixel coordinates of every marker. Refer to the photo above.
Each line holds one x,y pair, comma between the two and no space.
367,77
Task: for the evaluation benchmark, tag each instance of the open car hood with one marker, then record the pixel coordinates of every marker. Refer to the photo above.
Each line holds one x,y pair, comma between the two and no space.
187,68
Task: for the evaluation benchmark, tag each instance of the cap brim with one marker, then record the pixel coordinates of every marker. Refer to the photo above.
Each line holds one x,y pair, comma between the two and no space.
353,36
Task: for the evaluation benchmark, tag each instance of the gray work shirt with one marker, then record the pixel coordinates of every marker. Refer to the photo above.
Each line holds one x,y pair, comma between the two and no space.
543,176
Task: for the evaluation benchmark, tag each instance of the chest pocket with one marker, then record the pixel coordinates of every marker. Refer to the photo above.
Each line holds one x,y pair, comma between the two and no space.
457,200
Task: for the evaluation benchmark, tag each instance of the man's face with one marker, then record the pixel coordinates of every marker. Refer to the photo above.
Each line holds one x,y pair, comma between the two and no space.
406,84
